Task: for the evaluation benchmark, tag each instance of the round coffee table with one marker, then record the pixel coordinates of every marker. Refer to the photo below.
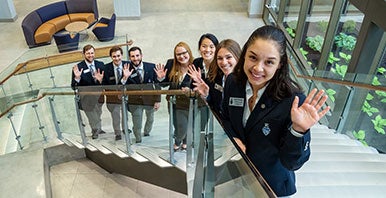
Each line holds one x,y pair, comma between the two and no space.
76,27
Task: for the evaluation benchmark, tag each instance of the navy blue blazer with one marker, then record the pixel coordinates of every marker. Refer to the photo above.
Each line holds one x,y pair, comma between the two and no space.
270,145
86,78
149,82
215,97
88,102
110,80
109,75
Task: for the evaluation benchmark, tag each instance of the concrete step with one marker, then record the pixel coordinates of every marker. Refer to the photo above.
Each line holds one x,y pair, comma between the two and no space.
100,147
343,167
340,191
116,150
340,179
151,155
342,149
341,157
331,141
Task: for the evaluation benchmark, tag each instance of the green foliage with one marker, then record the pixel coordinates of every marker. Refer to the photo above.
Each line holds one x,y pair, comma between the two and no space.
379,124
291,32
304,52
369,97
367,108
346,57
340,70
375,81
382,95
345,41
381,70
332,58
322,25
349,26
315,42
360,135
330,93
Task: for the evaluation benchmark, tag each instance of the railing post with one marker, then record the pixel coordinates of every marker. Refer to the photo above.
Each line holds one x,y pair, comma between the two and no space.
17,137
29,81
198,180
171,131
125,121
41,127
2,88
54,118
52,77
79,116
190,132
210,178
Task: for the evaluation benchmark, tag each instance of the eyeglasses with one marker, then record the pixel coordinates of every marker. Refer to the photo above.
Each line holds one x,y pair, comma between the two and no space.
182,53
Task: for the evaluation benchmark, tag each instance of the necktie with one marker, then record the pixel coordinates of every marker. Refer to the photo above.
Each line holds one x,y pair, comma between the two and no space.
92,70
251,102
119,75
139,70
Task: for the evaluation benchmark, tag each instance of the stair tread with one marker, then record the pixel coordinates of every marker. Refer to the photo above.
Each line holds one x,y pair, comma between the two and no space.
339,178
149,154
100,147
116,150
342,149
333,166
331,156
339,191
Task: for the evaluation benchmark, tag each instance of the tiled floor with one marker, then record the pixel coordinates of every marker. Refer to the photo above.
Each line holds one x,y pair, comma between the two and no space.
162,25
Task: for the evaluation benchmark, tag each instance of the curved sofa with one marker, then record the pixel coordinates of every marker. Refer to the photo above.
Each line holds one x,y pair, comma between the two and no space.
41,24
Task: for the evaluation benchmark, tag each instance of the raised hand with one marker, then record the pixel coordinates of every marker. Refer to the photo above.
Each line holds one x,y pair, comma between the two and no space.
99,75
202,88
308,114
195,74
160,71
126,71
76,71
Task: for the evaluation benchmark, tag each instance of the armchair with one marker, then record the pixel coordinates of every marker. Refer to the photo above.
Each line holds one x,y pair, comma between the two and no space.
66,42
104,29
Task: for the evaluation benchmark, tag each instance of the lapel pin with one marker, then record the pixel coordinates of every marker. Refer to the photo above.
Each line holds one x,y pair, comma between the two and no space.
262,106
266,130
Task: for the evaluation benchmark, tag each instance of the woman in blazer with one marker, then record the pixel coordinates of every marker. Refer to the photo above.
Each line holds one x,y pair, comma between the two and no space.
211,88
267,114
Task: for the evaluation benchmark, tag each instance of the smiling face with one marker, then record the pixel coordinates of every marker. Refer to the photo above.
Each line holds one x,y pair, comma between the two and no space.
262,59
182,55
116,57
135,57
207,49
226,61
89,55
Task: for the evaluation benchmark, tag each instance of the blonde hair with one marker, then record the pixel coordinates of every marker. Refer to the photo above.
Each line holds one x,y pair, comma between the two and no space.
175,73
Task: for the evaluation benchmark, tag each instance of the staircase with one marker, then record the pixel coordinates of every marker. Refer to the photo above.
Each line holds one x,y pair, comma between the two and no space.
341,167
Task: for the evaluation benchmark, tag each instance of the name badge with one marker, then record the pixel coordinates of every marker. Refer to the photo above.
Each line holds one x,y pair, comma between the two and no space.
133,75
218,87
86,71
236,102
112,78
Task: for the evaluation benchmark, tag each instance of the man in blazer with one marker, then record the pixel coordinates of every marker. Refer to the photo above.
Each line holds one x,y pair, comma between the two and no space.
144,77
89,72
116,73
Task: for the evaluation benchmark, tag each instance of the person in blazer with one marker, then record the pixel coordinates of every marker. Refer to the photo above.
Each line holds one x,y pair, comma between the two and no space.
206,47
116,73
144,78
89,72
211,88
178,78
266,113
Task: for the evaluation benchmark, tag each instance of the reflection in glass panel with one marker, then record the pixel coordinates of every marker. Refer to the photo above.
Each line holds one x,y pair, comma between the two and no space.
344,43
274,5
315,30
291,16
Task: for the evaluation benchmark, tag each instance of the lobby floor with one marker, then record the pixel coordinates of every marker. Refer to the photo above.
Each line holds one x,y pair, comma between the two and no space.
162,25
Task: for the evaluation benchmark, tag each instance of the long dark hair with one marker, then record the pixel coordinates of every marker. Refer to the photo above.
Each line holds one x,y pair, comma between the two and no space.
233,47
281,85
